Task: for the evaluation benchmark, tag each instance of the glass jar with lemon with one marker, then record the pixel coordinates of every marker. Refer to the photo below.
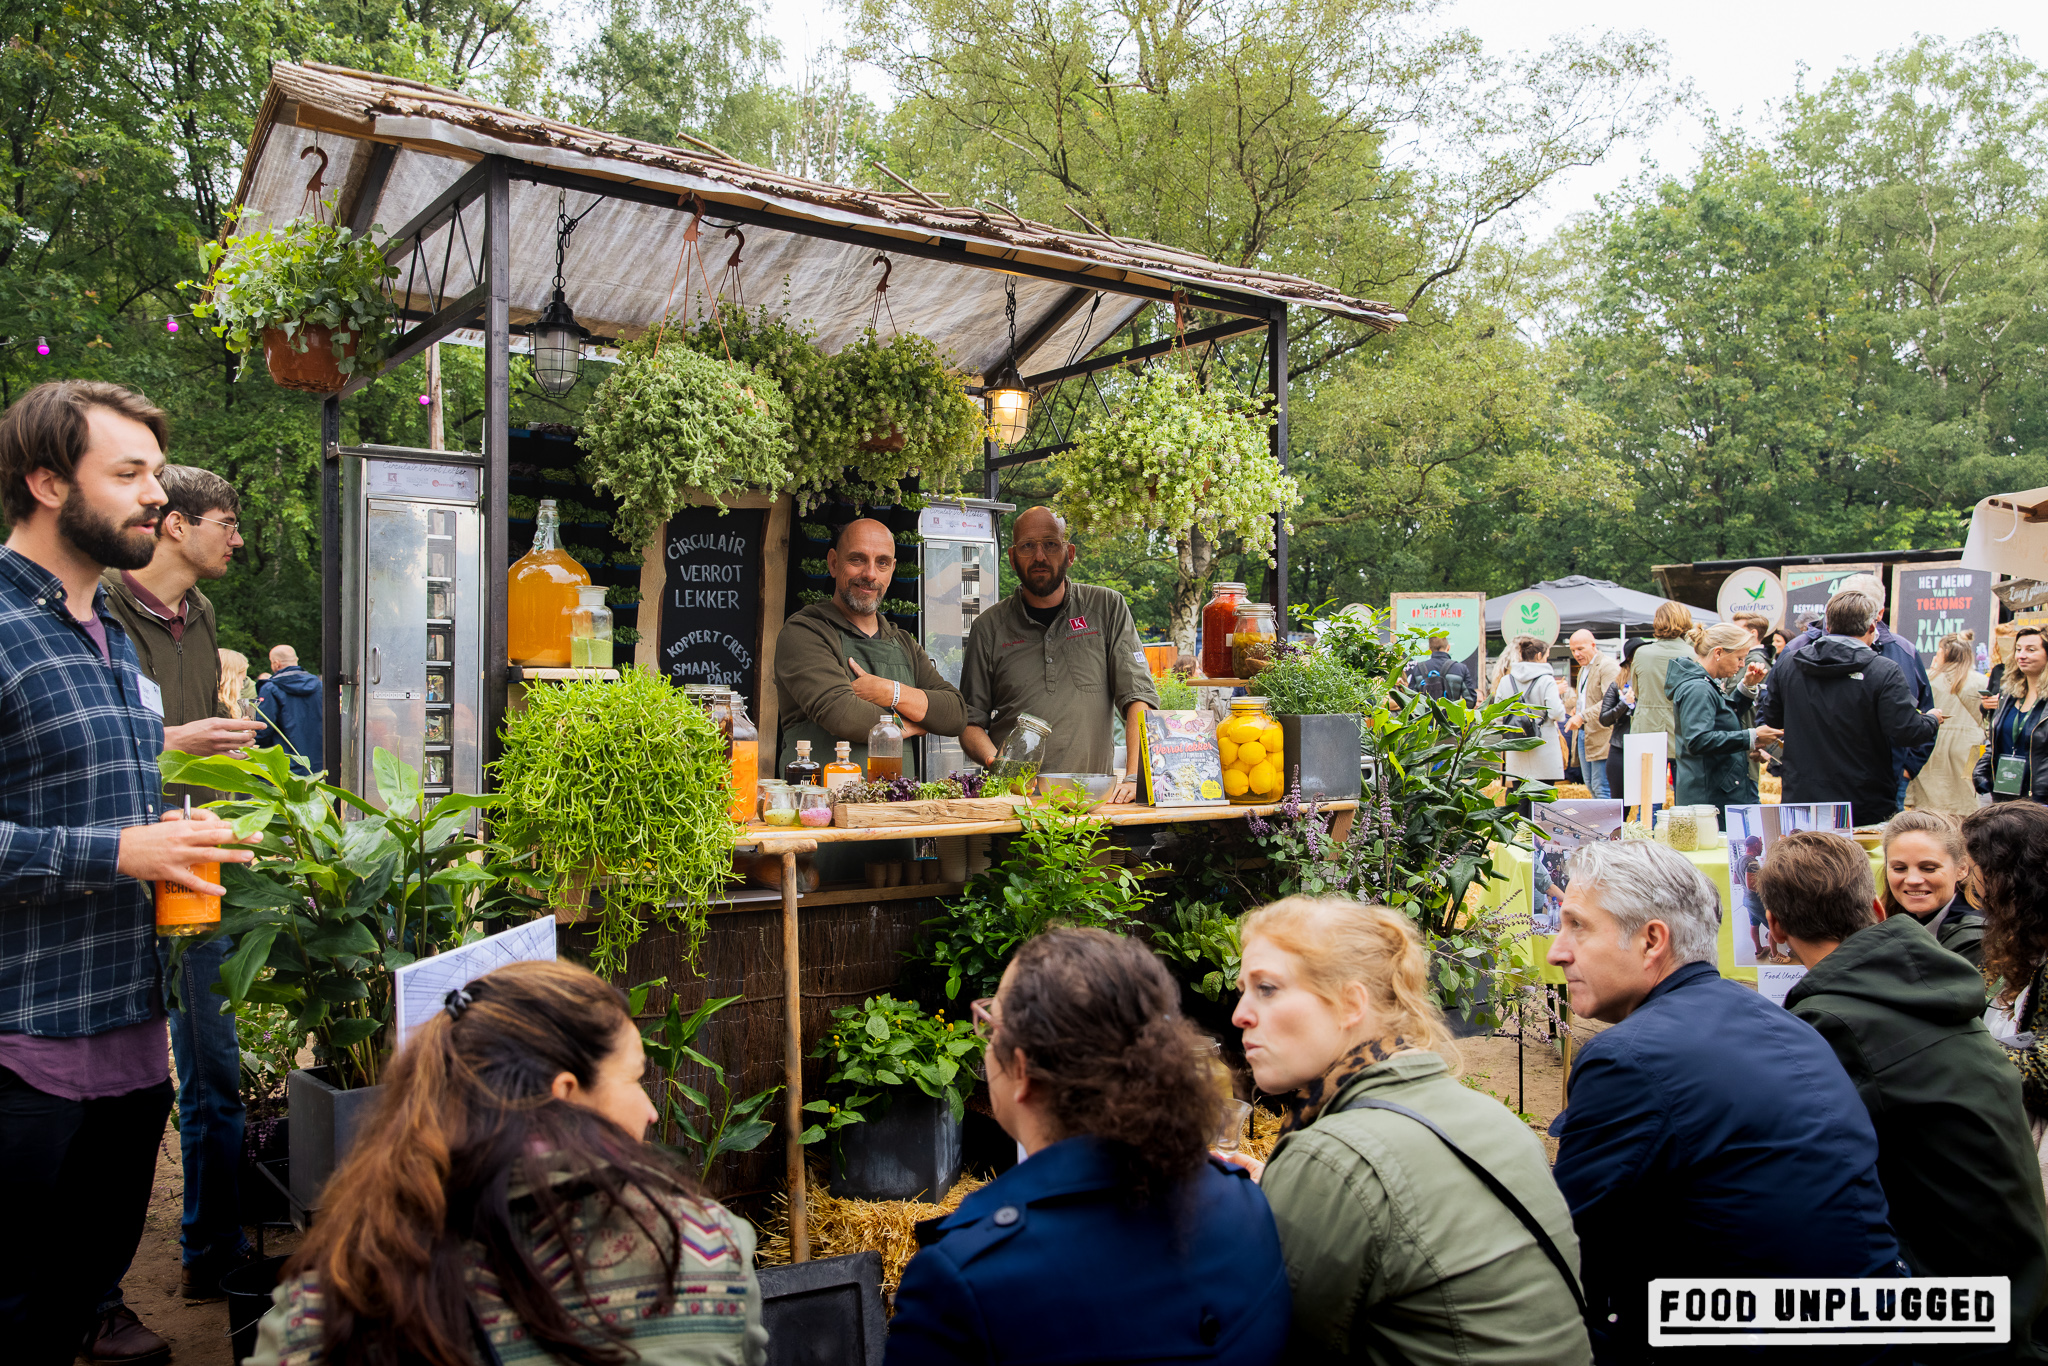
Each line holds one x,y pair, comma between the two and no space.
1254,753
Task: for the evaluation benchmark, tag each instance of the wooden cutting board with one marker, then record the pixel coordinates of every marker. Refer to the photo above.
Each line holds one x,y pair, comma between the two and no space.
965,811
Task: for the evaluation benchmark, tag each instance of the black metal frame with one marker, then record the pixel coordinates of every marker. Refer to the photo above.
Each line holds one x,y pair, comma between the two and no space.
490,181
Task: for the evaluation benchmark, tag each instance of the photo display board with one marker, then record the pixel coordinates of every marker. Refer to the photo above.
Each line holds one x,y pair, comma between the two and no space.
711,599
1461,616
1753,831
1808,588
1929,601
1561,827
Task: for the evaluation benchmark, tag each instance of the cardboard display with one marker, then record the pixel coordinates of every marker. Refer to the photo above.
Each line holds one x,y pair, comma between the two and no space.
1752,590
1461,616
1529,613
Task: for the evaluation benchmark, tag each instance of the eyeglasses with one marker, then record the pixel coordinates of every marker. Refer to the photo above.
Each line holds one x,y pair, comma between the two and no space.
1050,550
983,1013
233,524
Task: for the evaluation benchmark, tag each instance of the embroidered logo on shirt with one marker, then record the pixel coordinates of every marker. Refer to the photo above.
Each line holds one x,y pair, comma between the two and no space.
1077,623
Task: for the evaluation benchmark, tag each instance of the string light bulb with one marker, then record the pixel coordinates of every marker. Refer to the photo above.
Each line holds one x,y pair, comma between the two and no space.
42,346
171,326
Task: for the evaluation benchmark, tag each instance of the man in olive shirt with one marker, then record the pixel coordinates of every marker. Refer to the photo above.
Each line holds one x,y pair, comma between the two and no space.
1065,652
839,665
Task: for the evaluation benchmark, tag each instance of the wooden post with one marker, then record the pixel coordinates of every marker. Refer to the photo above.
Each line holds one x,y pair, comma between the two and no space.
1564,1075
793,1053
1643,792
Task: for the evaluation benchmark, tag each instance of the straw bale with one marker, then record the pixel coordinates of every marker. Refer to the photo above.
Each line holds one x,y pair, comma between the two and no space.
1265,1133
840,1228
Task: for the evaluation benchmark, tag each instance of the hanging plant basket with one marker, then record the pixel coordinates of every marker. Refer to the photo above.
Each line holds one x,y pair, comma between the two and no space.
315,370
892,440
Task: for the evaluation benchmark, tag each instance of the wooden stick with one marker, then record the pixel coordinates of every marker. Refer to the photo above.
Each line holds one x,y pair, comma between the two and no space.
793,1053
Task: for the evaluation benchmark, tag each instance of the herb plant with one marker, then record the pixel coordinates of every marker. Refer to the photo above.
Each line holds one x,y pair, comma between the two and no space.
330,907
304,273
1175,692
883,1043
899,607
1202,935
818,531
661,426
1049,877
816,568
622,787
692,1122
1173,457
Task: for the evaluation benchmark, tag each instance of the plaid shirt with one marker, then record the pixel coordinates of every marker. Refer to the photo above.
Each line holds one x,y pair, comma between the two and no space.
78,748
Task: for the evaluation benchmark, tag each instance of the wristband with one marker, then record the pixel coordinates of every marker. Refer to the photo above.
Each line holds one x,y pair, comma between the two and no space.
896,698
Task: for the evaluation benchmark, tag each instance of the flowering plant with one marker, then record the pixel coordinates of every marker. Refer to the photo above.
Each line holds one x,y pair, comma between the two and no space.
1175,457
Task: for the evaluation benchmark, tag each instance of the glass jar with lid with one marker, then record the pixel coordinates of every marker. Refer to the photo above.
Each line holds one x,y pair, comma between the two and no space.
590,630
1254,753
1016,767
1253,637
813,807
716,699
1219,619
780,805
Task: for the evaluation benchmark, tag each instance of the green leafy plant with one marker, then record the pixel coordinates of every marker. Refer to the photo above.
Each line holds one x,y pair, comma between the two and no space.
1309,681
901,607
694,1123
1174,457
1202,935
807,596
816,568
880,392
521,508
625,635
909,569
1050,876
818,531
662,426
304,273
622,594
884,1043
1175,692
620,789
331,907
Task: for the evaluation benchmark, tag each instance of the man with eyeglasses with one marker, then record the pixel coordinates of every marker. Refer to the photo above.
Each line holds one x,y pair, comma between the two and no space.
1065,652
176,638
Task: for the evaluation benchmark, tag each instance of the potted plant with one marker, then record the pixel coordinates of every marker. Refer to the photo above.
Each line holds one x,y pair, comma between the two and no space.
665,424
330,908
896,411
697,1125
901,1079
1320,692
620,790
310,293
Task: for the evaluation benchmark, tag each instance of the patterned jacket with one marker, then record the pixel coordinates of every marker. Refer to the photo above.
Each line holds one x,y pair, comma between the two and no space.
79,740
715,1319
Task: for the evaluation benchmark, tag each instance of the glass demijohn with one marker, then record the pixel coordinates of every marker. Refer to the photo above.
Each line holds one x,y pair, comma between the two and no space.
540,593
1219,619
1016,767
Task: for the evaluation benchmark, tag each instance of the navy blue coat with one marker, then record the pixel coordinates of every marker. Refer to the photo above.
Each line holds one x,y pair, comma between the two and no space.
290,702
1048,1264
1711,1133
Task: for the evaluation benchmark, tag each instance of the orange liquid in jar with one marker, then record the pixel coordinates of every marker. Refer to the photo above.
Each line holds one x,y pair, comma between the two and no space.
1219,619
540,593
882,770
746,777
181,911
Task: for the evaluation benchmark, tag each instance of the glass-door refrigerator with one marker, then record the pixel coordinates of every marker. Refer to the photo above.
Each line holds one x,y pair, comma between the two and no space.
962,578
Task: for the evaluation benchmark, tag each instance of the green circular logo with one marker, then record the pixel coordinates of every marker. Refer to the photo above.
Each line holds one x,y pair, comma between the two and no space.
1529,613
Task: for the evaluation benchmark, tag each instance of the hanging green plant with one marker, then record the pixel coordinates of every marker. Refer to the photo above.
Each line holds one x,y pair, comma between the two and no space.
621,788
1171,457
899,411
309,293
663,425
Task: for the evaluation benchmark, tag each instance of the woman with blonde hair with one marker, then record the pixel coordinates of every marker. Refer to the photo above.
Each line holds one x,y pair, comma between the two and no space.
501,1204
1947,781
234,682
2014,766
1418,1217
1710,743
1925,869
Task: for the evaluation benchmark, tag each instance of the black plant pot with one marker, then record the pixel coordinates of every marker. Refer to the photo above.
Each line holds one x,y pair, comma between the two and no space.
911,1151
265,1140
325,1119
1323,753
1476,1013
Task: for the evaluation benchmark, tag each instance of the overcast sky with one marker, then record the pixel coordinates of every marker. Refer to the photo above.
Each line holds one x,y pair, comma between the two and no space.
1741,56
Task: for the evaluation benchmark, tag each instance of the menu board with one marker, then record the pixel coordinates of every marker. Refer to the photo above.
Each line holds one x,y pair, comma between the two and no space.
1930,601
1461,616
711,599
1183,764
1808,588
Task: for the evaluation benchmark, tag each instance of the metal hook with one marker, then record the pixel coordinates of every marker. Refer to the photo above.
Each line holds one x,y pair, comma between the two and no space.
695,205
313,186
887,266
734,263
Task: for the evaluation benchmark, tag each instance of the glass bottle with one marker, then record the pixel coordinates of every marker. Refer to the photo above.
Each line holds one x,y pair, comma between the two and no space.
802,771
716,700
590,631
885,749
1254,753
842,769
1016,767
540,593
1219,619
1252,638
746,760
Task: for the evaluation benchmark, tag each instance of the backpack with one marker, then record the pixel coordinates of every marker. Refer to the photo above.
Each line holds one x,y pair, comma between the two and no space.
1433,681
1529,726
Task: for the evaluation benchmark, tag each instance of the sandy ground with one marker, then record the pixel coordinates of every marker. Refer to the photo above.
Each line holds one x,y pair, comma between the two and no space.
198,1333
1537,1091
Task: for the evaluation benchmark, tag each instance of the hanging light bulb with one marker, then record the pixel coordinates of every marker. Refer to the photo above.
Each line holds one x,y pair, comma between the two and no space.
171,326
557,339
42,346
1009,402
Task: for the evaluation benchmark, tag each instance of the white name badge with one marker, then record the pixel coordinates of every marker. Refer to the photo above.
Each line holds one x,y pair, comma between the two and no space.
152,695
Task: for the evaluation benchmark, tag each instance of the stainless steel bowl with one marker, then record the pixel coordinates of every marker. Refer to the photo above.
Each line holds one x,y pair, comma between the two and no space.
1094,787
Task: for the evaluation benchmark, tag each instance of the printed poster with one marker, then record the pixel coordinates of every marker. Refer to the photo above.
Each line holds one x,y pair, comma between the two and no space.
1461,616
1752,831
1808,588
1183,764
1561,828
1929,601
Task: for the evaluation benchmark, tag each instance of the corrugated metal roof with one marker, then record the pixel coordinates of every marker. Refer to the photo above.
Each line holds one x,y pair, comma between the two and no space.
625,257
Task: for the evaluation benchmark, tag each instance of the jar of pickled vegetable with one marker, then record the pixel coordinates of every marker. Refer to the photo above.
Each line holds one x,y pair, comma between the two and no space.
1219,619
1254,751
1252,638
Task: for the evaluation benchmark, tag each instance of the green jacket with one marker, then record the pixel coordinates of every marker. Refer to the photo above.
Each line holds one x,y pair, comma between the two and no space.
812,682
1905,1017
1653,704
188,670
1379,1219
1709,743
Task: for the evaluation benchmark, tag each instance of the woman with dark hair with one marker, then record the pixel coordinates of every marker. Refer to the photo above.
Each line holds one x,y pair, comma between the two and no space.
2008,847
2015,763
501,1205
1115,1239
1617,711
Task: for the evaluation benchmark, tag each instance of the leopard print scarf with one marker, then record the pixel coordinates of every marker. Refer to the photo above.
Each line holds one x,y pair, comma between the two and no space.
1305,1104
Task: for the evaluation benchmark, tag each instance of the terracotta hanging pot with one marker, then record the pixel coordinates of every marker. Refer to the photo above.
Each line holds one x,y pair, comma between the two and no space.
892,440
315,370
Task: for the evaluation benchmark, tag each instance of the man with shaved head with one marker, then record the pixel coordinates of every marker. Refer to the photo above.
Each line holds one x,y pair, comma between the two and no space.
839,664
1065,652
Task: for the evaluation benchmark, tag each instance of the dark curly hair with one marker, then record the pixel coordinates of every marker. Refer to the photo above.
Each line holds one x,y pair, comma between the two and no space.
1098,1020
2008,844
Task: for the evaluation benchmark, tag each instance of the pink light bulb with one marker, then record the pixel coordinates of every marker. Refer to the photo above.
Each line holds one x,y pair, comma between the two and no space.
426,400
42,347
170,324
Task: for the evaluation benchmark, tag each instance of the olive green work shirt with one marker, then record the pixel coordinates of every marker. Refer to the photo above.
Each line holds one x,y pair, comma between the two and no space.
1077,675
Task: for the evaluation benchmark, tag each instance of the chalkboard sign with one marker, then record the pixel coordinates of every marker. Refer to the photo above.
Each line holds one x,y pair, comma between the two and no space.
1808,588
711,599
1930,601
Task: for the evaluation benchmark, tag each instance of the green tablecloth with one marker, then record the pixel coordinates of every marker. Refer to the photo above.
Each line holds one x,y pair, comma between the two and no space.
1518,888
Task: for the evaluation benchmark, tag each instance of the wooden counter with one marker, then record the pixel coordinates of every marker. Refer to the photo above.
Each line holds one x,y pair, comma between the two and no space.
773,839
